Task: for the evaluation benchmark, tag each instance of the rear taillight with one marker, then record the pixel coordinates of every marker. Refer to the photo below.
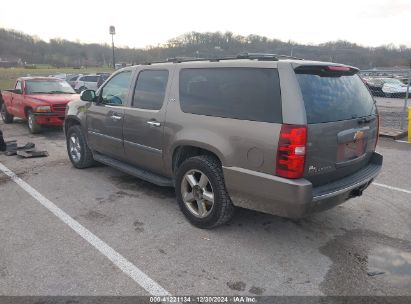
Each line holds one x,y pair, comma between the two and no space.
291,151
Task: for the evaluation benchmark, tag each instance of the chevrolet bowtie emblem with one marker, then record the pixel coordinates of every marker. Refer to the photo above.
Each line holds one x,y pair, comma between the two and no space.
358,135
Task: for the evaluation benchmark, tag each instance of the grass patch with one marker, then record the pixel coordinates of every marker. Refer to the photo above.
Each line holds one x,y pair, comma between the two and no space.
8,75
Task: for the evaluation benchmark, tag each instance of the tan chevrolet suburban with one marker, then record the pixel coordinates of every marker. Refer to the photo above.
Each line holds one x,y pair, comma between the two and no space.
259,131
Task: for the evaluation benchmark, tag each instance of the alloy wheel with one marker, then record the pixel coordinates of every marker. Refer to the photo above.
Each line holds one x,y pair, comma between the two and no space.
75,148
30,121
3,112
197,193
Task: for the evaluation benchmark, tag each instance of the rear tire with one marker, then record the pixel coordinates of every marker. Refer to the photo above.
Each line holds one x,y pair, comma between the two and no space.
79,153
34,127
6,116
82,89
201,192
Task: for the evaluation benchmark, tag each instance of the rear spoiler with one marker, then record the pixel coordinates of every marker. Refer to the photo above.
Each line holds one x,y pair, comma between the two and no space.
326,70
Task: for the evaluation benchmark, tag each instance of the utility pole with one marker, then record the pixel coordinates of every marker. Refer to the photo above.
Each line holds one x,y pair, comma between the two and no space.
112,33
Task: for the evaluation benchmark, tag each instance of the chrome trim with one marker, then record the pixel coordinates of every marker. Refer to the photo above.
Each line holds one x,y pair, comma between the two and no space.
143,147
105,136
111,106
141,110
115,117
153,123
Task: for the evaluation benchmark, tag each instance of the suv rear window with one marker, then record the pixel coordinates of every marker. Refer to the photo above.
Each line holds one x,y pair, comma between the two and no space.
334,97
240,93
90,78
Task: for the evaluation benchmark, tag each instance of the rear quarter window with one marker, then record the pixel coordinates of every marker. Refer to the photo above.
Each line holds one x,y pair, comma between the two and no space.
239,93
335,98
92,78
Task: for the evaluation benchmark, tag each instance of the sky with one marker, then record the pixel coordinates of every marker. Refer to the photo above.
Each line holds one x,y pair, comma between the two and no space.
144,23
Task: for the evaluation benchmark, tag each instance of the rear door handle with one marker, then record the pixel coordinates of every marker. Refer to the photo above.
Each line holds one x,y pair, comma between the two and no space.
154,123
116,117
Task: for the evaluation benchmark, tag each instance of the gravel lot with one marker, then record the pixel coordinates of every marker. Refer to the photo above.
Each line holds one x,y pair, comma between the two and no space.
360,248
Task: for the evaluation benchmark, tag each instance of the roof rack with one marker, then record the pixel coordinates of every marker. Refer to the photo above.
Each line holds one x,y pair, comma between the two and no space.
251,56
265,56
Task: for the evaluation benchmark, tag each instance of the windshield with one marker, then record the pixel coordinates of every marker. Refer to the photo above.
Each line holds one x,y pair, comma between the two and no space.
48,87
392,81
375,81
335,98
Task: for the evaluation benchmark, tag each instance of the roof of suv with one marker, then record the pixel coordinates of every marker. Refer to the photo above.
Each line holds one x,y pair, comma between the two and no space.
252,59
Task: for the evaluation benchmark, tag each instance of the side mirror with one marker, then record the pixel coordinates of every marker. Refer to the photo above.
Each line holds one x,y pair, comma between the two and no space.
88,95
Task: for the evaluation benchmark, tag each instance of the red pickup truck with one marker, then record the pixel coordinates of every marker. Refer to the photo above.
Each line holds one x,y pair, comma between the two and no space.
40,100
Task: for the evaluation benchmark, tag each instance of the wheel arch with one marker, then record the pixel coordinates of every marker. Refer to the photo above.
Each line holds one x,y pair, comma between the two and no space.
26,110
183,151
71,121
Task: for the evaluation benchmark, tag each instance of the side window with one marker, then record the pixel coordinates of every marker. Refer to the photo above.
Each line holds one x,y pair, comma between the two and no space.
83,78
239,93
18,86
116,90
92,78
150,89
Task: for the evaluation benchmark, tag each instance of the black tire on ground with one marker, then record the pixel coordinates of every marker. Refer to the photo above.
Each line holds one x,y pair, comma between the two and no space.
82,89
222,209
75,139
34,127
6,116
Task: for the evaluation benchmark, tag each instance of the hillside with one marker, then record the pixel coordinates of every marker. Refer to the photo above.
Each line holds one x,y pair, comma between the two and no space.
19,46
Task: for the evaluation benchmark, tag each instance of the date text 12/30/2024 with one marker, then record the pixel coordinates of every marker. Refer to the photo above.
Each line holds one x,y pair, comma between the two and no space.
203,299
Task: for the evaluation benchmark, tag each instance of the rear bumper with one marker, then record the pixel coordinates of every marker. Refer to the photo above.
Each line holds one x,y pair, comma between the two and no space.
295,198
50,118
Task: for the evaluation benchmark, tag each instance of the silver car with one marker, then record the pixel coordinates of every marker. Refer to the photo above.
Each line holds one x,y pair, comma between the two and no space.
87,82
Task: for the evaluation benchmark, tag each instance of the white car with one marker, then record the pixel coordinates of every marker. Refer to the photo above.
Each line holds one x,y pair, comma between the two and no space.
394,88
87,82
72,80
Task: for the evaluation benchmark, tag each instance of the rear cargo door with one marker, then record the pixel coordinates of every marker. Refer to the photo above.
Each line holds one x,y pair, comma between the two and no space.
342,122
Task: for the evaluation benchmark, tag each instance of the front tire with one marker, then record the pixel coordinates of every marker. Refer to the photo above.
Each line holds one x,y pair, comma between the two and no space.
201,192
34,127
79,153
6,116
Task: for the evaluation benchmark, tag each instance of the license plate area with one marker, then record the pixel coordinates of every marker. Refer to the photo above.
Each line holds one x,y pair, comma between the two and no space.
351,150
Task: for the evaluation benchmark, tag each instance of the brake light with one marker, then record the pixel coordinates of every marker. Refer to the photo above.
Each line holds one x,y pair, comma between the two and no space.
338,68
291,151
